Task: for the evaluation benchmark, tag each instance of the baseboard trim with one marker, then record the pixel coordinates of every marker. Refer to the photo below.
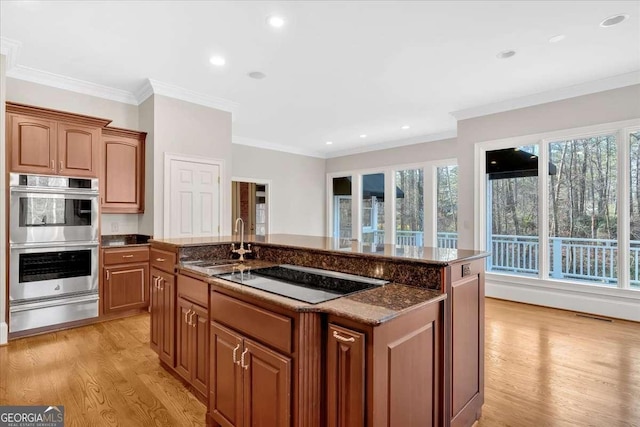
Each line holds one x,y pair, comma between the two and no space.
4,333
598,304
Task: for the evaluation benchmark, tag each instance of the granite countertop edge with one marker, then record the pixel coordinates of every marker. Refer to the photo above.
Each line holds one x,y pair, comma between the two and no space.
370,314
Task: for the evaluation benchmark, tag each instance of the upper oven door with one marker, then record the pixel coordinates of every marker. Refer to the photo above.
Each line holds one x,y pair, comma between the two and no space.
38,271
45,216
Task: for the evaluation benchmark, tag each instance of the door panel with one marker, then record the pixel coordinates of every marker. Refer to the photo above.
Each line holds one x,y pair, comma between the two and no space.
225,398
167,292
156,313
127,287
122,164
200,350
194,199
267,387
78,150
33,145
183,339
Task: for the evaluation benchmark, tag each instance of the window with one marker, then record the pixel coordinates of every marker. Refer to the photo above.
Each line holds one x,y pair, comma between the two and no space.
410,207
342,207
634,209
447,206
373,208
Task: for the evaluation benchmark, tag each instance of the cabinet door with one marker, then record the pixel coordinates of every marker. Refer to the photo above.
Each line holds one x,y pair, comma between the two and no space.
267,386
156,311
126,287
168,329
225,392
33,144
345,377
122,175
78,150
184,347
200,350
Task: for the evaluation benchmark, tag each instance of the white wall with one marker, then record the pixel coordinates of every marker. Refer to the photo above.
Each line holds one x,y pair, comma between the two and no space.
192,130
4,329
426,151
122,115
603,107
297,187
145,120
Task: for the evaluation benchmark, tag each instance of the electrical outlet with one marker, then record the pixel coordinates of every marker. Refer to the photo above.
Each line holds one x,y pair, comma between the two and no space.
114,227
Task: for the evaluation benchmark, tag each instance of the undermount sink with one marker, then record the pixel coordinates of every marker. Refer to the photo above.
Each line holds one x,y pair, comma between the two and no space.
305,284
219,263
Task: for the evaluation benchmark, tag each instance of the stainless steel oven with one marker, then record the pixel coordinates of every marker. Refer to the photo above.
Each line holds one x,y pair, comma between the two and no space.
52,209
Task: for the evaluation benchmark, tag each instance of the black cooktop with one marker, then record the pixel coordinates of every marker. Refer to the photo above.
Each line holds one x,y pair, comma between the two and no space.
301,283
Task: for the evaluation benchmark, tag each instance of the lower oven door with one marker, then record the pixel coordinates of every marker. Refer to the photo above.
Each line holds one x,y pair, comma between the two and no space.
39,314
41,272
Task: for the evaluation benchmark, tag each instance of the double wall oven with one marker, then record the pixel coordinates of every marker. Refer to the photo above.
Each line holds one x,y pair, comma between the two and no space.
53,244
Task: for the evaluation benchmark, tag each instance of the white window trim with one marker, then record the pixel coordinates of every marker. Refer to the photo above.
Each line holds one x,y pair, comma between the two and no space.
542,139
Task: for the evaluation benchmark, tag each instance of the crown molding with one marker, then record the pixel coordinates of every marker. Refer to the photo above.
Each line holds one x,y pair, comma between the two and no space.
394,144
144,92
177,92
10,48
587,88
45,78
258,143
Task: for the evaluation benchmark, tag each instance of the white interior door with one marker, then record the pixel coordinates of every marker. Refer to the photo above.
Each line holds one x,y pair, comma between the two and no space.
194,199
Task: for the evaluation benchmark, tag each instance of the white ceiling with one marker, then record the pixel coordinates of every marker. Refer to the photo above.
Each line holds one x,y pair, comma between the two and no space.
336,69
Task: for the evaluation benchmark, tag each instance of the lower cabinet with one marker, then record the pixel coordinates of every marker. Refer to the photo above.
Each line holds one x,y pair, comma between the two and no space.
387,375
192,343
250,384
125,280
163,294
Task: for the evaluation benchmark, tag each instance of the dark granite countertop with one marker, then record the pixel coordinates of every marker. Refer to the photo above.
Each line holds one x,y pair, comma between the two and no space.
440,256
371,307
118,240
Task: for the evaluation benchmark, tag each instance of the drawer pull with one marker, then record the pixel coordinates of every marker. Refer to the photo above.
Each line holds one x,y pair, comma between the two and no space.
337,336
246,350
127,256
235,352
160,259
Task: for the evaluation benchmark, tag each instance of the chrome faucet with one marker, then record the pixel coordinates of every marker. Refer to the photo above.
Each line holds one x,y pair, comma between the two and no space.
242,250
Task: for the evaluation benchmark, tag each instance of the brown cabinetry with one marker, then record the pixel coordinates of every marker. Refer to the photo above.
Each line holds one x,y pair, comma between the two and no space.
250,383
125,279
466,342
51,142
122,176
163,301
387,375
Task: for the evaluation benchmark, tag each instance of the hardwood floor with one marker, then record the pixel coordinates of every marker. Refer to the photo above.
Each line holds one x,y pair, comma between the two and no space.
544,367
104,375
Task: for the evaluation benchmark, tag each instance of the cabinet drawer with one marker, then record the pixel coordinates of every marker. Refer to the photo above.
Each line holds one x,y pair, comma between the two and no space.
163,260
125,255
193,290
270,328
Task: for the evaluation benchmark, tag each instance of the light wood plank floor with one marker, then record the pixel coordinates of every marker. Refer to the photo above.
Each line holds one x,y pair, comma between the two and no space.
544,367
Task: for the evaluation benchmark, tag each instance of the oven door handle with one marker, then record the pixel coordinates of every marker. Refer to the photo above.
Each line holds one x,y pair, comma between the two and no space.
53,303
55,191
55,245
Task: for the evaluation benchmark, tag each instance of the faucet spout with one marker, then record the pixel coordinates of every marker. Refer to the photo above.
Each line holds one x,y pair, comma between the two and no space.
241,251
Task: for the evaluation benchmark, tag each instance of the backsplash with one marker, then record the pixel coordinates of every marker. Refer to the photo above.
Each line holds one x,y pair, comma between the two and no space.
119,224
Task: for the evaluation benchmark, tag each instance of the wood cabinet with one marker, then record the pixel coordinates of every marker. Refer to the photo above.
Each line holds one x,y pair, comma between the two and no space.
122,176
51,142
125,279
386,375
250,383
163,315
465,377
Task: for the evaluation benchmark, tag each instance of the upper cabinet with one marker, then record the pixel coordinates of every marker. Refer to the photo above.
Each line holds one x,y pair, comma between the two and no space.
122,177
51,142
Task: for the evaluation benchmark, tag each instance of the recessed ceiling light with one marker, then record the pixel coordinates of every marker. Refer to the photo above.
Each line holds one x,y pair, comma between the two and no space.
218,61
405,127
329,142
506,54
363,136
556,39
613,20
257,75
275,21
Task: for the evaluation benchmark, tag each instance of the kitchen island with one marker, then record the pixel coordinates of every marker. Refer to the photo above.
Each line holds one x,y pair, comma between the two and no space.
406,353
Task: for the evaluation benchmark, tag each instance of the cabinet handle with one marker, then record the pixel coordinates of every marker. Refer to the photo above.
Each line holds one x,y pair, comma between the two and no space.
337,336
155,282
60,164
53,165
185,317
191,322
160,280
235,352
246,350
127,256
160,259
108,275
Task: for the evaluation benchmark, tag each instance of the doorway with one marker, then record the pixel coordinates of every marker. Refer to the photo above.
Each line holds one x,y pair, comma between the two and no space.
250,201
